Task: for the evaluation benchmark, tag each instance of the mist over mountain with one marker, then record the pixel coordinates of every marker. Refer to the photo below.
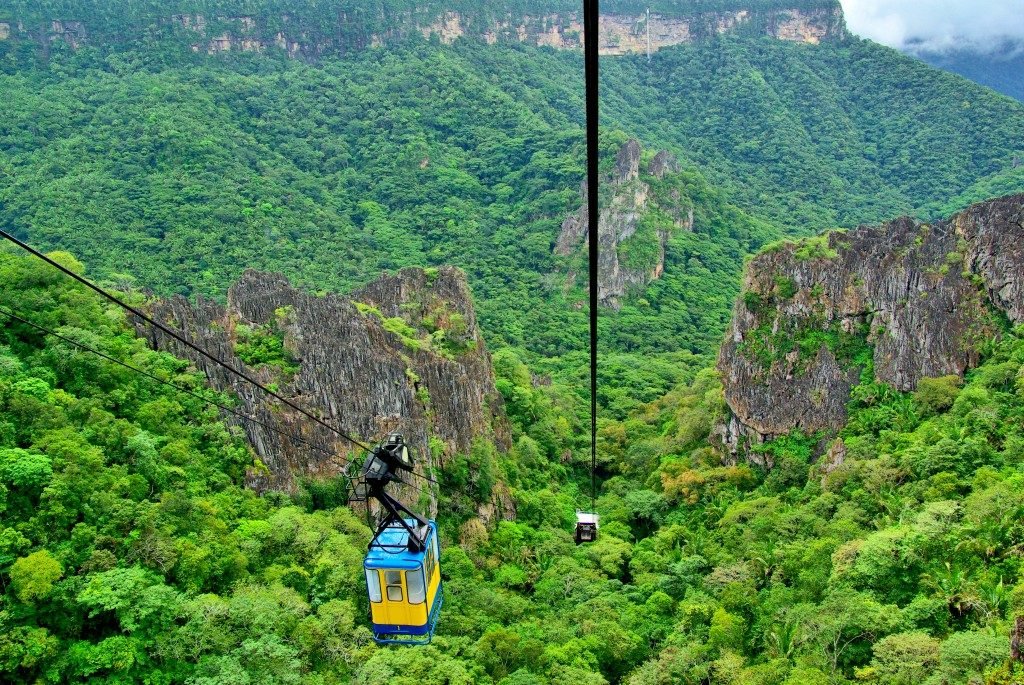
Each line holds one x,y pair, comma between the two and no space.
1000,67
982,41
937,25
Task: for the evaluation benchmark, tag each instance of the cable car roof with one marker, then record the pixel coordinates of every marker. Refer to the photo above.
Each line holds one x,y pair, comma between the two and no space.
391,549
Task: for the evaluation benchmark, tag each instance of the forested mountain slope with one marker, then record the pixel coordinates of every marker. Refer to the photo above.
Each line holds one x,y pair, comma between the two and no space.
192,167
816,137
330,174
1000,67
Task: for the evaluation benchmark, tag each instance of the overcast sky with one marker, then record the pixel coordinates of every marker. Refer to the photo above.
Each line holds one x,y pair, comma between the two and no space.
937,24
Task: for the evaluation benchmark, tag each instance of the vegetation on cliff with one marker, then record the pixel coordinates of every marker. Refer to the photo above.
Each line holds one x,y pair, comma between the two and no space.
131,553
130,550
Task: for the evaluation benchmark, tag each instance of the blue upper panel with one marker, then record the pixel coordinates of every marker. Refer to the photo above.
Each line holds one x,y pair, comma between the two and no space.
391,549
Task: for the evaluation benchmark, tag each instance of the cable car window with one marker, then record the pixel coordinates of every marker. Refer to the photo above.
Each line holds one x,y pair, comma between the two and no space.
373,584
435,555
428,564
414,583
393,580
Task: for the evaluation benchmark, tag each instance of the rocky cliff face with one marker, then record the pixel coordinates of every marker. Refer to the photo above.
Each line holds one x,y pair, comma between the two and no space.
634,225
909,300
561,28
622,34
403,354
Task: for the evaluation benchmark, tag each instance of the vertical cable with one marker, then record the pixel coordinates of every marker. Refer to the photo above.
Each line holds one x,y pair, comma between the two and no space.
590,33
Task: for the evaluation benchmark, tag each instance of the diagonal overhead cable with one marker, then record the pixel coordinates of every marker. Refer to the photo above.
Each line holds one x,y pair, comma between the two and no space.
162,381
179,337
345,461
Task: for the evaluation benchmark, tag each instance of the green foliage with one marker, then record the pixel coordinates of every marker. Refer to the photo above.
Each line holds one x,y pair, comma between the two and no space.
265,346
642,250
969,654
785,287
937,394
902,659
754,302
32,577
768,344
814,248
129,550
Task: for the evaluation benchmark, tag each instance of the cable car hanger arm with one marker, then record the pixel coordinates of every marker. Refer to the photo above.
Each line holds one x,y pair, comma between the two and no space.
395,509
381,468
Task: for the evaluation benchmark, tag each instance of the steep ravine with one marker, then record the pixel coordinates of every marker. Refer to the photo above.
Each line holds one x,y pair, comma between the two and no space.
402,354
909,300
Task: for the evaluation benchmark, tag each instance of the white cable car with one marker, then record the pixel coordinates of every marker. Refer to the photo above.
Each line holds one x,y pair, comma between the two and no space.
586,527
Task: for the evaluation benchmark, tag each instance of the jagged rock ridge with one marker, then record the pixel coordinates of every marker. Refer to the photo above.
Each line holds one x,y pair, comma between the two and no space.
631,201
914,299
402,354
620,33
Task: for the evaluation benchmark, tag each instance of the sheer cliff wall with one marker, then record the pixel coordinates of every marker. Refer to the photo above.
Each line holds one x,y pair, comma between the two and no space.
312,30
402,354
903,301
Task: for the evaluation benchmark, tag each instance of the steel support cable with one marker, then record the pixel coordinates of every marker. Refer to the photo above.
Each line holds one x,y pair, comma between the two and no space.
178,336
162,381
181,389
590,59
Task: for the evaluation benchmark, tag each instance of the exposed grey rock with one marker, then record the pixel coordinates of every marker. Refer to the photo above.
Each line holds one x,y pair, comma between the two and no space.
627,162
663,162
833,458
910,290
574,228
619,33
630,199
995,251
353,373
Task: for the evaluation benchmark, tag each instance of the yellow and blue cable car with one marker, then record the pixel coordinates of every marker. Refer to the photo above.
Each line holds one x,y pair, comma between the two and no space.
402,564
404,586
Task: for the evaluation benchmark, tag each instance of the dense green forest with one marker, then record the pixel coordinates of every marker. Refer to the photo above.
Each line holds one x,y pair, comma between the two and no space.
817,137
191,168
130,552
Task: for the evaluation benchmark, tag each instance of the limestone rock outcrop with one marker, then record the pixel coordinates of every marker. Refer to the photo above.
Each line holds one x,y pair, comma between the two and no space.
916,300
402,354
300,36
621,223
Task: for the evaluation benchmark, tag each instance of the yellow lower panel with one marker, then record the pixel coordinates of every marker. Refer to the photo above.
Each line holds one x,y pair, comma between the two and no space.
398,613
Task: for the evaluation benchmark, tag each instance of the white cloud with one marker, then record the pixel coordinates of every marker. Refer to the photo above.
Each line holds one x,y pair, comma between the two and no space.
937,24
